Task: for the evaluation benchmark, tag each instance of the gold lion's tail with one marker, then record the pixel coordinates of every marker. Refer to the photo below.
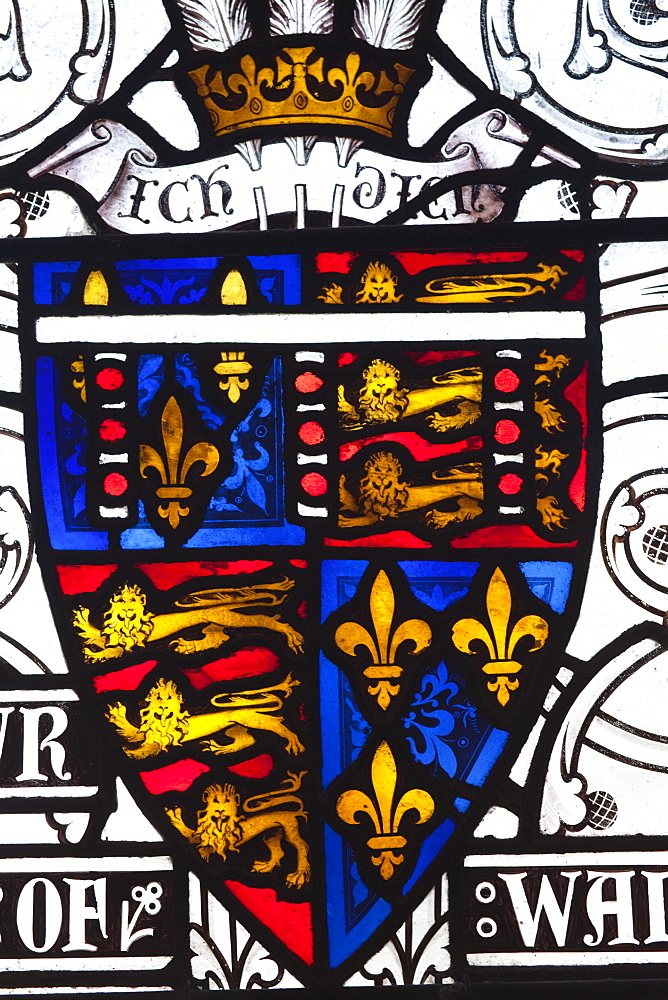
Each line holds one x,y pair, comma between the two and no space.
261,699
279,797
257,594
462,472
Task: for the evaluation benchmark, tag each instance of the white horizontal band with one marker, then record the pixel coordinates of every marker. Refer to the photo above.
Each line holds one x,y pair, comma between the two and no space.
634,859
303,459
58,866
317,356
537,958
106,458
48,791
131,963
308,328
66,694
516,404
46,990
113,512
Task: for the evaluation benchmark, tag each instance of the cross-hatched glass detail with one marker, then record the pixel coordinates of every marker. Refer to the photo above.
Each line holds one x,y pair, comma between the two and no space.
644,12
568,198
602,811
655,544
35,204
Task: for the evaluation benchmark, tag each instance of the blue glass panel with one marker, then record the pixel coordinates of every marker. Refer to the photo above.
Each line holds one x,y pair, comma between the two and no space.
439,584
179,281
344,728
550,581
353,912
487,757
53,282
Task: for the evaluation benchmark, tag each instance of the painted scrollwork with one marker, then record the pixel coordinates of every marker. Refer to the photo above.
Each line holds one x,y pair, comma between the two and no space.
634,539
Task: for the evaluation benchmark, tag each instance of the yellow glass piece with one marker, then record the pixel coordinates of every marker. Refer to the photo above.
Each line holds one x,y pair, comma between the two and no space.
77,366
488,287
173,470
291,78
378,285
233,291
384,642
499,643
96,290
385,815
233,364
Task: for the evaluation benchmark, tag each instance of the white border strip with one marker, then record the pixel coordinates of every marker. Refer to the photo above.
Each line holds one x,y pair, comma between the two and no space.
64,694
570,958
308,328
46,792
114,964
21,866
633,859
47,990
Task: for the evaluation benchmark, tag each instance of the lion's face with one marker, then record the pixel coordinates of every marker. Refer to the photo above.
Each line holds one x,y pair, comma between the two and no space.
218,823
381,490
165,700
381,399
220,804
126,622
163,720
378,285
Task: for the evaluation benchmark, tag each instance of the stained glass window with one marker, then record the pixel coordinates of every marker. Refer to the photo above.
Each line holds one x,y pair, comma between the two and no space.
333,527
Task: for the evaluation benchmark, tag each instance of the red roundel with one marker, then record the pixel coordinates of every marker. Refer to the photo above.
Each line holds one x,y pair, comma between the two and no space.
110,378
115,484
112,430
314,484
506,432
506,380
510,483
311,432
308,382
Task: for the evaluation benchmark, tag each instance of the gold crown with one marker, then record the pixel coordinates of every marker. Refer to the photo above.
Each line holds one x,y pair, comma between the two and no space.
302,88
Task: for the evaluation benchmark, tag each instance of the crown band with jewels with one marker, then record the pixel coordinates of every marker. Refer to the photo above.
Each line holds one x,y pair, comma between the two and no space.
302,88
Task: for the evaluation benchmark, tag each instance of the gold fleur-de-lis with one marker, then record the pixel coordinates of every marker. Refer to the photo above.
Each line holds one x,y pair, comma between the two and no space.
385,814
385,641
499,641
173,470
233,364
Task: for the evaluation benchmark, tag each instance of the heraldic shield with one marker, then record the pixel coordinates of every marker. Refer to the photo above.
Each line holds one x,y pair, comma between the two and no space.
314,577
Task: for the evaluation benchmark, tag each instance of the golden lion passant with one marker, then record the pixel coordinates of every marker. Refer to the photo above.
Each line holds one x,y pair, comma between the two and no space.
383,400
127,624
222,828
383,493
164,723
